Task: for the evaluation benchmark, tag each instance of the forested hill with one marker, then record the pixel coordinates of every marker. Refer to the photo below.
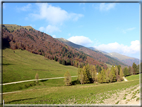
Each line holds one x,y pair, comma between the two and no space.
94,53
34,41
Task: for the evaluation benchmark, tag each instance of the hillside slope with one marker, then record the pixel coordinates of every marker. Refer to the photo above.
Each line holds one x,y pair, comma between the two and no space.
125,59
21,65
34,41
99,56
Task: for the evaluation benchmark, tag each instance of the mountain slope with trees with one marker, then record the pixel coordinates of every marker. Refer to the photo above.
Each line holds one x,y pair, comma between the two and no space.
99,56
34,41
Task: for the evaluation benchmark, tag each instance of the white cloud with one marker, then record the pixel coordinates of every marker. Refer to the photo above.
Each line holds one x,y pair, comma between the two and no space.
54,36
129,29
50,29
106,6
24,8
133,49
81,40
54,15
41,28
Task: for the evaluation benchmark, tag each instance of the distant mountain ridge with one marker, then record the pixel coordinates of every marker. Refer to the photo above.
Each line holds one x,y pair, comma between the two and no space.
94,53
69,43
125,59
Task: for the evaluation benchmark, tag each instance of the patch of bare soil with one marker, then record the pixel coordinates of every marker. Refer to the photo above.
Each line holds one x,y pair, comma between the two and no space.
126,96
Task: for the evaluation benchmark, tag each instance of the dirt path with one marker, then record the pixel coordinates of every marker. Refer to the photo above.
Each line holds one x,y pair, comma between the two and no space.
33,80
125,79
126,96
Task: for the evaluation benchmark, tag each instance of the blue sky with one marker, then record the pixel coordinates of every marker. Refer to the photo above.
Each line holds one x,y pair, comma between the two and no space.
111,27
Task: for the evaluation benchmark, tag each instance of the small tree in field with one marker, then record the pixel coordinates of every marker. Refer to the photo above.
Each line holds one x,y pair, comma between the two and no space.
110,76
85,72
116,72
121,74
36,77
100,78
81,77
67,78
107,75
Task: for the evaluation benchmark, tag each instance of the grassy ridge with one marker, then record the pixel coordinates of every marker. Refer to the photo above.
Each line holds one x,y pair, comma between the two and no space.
13,27
78,94
23,65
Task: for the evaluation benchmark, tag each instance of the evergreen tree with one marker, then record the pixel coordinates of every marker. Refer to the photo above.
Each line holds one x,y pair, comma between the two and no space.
113,74
107,75
126,72
55,58
110,76
121,74
118,66
81,77
67,78
93,73
86,79
88,71
116,72
100,78
130,70
134,68
63,62
137,72
60,61
140,68
103,75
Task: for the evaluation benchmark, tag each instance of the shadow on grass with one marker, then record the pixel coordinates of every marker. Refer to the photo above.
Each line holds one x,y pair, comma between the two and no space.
21,100
7,64
75,82
43,80
78,82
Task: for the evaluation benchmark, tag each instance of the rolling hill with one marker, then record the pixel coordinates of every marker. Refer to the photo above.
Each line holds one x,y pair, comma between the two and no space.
34,41
96,54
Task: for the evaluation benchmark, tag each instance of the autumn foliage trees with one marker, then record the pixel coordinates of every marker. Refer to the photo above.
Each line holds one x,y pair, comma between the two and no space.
88,74
67,78
131,70
27,38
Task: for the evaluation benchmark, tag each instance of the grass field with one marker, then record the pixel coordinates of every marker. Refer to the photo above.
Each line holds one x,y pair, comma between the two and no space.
133,77
34,85
23,65
76,94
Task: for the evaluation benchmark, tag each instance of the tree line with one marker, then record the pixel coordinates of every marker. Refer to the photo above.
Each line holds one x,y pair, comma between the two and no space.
89,74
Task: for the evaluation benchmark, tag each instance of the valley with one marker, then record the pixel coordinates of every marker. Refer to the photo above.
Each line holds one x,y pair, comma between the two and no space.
32,55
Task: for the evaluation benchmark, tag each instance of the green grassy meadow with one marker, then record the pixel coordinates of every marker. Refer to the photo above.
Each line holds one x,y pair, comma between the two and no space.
23,65
75,94
133,77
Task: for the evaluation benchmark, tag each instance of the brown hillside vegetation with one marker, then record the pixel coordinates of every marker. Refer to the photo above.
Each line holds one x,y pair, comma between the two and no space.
97,55
34,41
101,57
